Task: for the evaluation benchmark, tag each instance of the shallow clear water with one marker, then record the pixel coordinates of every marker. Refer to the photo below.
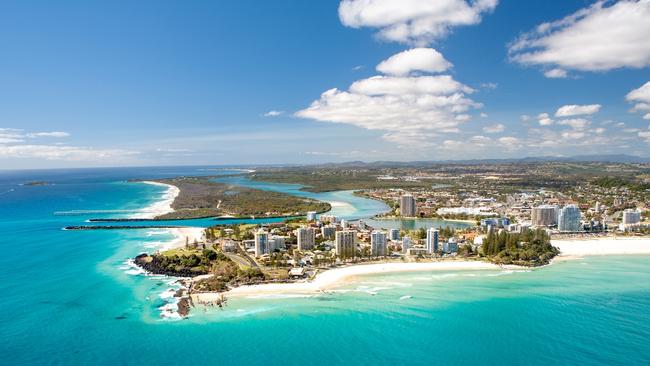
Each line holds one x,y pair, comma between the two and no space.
67,297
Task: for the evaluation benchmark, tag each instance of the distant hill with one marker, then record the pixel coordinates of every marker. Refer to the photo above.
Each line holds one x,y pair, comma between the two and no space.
616,158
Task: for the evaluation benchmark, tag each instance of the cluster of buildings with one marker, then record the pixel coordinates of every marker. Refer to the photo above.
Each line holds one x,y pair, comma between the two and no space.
345,241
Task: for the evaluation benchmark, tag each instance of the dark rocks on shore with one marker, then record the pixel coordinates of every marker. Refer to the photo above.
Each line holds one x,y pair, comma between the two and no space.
184,307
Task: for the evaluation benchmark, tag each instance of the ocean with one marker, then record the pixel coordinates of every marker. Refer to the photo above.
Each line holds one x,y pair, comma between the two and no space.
71,298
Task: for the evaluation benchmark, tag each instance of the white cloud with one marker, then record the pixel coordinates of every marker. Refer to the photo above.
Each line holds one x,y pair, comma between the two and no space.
544,119
58,134
524,118
601,37
555,74
483,115
641,98
510,143
416,59
573,135
494,128
9,140
413,21
12,146
68,153
577,110
645,135
407,109
273,113
489,85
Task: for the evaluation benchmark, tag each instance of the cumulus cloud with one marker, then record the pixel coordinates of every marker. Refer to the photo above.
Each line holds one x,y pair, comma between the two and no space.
414,22
601,37
575,123
416,59
544,119
407,109
273,113
641,98
645,135
556,74
510,143
494,128
577,110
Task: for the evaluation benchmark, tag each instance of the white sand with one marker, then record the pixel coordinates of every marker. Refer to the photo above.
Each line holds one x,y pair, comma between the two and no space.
160,207
602,246
184,234
574,248
339,276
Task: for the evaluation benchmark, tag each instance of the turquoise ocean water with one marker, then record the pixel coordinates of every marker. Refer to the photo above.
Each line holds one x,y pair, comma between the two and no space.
70,297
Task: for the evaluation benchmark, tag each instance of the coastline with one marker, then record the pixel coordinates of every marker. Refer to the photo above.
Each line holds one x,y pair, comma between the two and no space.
161,207
336,277
330,279
602,246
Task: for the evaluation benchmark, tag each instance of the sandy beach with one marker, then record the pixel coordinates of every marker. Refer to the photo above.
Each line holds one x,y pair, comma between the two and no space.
327,280
161,207
339,276
602,246
183,235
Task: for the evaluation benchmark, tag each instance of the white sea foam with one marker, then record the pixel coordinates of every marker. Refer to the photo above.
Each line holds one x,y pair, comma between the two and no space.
406,297
129,267
160,207
168,294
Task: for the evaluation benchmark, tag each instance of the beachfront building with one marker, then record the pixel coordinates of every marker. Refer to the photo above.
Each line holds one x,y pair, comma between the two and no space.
631,217
432,240
450,246
378,243
311,216
393,234
306,238
328,231
544,215
261,243
406,243
569,219
345,246
345,224
407,206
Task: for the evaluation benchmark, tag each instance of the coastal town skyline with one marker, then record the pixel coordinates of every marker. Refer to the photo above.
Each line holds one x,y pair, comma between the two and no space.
287,82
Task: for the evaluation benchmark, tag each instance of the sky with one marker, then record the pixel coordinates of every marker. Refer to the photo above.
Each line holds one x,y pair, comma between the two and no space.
139,83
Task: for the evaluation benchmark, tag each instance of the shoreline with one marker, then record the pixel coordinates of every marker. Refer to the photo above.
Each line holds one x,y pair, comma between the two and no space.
579,247
159,207
332,278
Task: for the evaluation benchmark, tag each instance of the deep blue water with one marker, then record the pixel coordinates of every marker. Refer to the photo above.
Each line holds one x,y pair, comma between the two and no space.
67,297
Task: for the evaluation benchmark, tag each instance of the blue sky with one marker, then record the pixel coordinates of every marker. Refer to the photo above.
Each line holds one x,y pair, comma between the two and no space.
166,82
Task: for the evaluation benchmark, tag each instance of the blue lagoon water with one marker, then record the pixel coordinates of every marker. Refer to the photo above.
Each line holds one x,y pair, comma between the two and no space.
70,297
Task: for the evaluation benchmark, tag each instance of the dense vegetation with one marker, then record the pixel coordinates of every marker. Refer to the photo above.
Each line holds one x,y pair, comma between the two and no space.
184,263
200,197
617,182
529,248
